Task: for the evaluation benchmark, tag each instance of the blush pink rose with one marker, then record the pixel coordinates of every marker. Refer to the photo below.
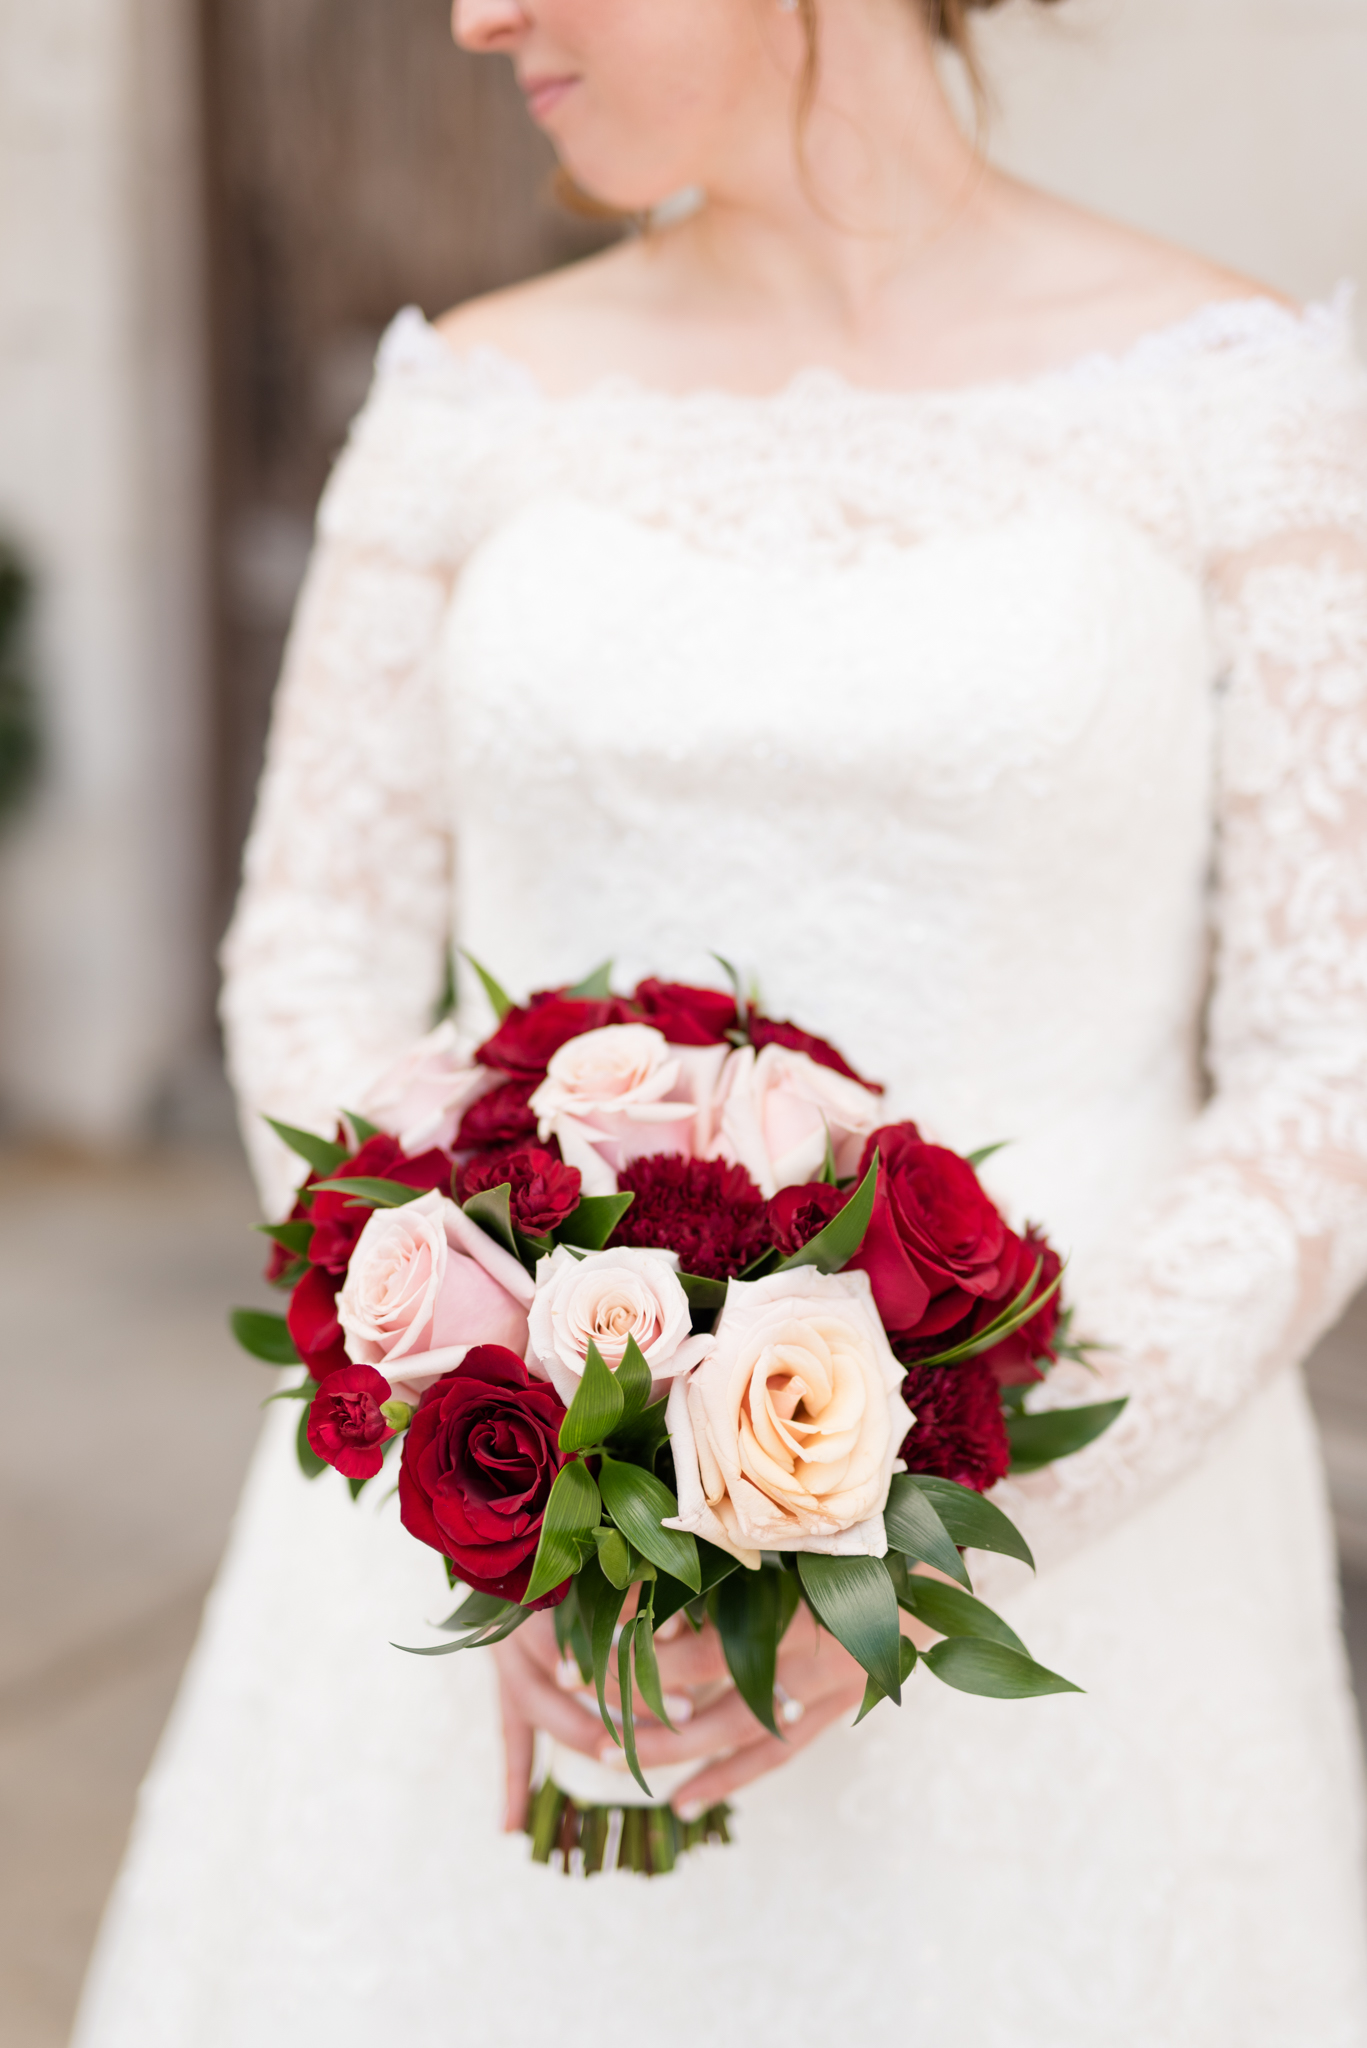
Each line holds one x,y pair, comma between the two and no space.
776,1110
424,1284
423,1097
624,1093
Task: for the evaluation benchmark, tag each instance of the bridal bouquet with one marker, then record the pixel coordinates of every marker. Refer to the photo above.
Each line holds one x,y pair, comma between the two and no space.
662,1317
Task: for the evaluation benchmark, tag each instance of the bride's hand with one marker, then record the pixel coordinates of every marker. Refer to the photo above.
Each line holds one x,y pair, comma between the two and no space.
529,1698
814,1674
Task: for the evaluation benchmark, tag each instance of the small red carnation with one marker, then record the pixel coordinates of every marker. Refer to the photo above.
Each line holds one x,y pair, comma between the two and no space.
501,1119
312,1320
346,1428
544,1190
797,1215
959,1432
338,1220
707,1211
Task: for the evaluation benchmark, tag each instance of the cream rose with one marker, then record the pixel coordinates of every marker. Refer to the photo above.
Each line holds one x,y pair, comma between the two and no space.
421,1099
605,1299
786,1437
424,1285
776,1109
621,1092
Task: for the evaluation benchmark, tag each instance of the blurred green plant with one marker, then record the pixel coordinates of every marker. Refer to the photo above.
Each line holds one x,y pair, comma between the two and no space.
19,741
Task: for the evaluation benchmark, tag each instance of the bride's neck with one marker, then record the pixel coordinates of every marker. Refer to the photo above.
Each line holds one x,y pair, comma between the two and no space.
826,215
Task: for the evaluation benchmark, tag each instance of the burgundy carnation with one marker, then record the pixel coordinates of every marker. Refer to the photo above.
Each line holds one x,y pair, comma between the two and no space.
707,1211
312,1320
797,1215
346,1428
479,1461
771,1031
959,1432
338,1220
527,1038
544,1189
687,1016
501,1119
935,1245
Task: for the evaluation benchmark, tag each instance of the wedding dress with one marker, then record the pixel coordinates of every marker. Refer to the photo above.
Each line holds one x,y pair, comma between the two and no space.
995,730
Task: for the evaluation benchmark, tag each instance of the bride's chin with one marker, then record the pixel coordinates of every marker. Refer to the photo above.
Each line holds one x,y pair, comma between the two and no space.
612,186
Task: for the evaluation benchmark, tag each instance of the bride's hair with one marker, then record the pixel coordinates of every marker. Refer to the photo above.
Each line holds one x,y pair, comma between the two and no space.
947,19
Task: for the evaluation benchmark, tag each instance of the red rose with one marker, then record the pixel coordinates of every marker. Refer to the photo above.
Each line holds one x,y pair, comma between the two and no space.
499,1119
1015,1360
770,1031
707,1211
479,1460
687,1016
544,1189
338,1220
797,1215
959,1432
312,1320
526,1039
935,1245
346,1428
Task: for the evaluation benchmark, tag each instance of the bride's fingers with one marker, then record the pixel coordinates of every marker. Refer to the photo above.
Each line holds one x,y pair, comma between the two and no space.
689,1660
722,1726
719,1780
543,1705
518,1742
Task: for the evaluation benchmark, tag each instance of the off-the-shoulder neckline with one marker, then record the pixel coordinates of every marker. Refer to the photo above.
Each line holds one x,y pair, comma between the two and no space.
1226,326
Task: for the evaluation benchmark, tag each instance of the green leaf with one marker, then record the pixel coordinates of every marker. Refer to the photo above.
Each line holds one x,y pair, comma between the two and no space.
873,1691
595,1409
671,1594
638,1503
837,1244
732,975
310,1464
640,1438
914,1527
573,1510
703,1291
971,1520
482,1639
267,1337
986,1152
829,1172
1038,1440
745,1607
499,1000
295,1237
601,1603
992,1670
378,1194
362,1127
491,1209
322,1155
647,1665
625,1646
593,1222
305,1391
594,988
853,1598
633,1382
1026,1304
477,1610
614,1558
953,1613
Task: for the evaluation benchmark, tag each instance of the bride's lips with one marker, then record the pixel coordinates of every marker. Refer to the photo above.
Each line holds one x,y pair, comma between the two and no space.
545,94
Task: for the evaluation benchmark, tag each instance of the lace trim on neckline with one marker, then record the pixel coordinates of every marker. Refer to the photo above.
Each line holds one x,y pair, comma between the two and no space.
1223,327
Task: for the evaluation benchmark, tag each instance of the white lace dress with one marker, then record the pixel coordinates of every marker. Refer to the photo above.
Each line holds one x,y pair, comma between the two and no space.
995,730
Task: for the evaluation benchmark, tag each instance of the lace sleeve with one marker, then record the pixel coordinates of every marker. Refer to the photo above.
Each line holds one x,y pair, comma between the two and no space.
1253,1251
335,954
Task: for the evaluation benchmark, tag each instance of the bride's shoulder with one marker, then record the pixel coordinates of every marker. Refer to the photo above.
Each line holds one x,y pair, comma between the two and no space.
554,326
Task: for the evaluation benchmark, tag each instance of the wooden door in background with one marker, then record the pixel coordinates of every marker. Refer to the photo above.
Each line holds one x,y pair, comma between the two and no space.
358,162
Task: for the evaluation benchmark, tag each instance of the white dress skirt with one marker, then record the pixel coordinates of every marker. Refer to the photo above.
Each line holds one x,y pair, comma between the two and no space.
996,730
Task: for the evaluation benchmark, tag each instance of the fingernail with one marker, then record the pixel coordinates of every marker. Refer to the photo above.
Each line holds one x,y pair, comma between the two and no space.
667,1630
691,1810
679,1709
613,1758
567,1675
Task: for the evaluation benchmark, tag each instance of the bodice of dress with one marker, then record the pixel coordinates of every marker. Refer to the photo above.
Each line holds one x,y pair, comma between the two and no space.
1016,738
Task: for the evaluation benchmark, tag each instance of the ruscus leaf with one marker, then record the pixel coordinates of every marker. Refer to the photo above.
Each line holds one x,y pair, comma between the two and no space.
364,1129
873,1691
971,1520
853,1598
492,1210
837,1244
594,988
745,1607
1038,1440
321,1153
310,1464
591,1225
914,1527
992,1670
633,1382
573,1510
265,1336
376,1194
295,1236
596,1407
951,1612
638,1503
499,1000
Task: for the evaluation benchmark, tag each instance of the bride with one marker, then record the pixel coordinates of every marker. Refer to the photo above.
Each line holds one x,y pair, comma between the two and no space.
955,607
